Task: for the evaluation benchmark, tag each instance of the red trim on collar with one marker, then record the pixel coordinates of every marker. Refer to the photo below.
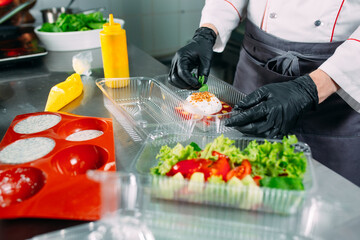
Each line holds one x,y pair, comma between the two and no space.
358,40
332,33
234,8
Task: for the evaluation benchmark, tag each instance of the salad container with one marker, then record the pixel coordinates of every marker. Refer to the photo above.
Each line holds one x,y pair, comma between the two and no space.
243,197
143,105
226,93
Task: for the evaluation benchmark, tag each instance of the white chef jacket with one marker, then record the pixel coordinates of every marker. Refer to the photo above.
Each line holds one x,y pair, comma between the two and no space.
300,21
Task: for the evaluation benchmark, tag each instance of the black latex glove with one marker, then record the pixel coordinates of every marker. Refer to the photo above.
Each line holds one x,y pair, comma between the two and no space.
273,110
196,54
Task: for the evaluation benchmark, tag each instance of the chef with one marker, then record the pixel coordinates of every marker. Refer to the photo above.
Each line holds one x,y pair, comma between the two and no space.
299,66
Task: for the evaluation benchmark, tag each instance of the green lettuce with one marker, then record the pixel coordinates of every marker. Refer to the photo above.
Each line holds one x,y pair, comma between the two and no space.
285,183
276,158
224,146
168,157
271,159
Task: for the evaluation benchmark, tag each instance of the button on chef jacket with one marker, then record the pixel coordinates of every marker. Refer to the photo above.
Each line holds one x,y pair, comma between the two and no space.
300,21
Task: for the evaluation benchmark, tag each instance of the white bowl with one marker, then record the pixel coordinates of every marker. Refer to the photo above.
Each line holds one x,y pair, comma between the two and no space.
71,41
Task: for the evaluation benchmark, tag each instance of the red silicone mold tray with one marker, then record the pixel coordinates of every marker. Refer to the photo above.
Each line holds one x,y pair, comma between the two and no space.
43,160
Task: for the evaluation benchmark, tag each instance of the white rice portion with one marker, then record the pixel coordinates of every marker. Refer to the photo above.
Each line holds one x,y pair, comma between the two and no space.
84,135
35,124
26,150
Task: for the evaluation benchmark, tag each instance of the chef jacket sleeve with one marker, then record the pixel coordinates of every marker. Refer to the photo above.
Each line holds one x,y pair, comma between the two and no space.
344,68
225,15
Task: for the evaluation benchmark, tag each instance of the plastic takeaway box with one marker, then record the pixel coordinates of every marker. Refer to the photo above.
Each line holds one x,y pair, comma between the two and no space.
143,105
131,212
226,93
245,197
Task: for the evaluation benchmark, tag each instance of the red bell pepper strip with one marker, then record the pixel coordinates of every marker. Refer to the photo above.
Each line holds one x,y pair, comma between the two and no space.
187,167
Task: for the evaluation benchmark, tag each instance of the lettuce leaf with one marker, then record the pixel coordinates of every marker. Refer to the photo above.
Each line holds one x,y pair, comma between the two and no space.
276,159
225,146
168,157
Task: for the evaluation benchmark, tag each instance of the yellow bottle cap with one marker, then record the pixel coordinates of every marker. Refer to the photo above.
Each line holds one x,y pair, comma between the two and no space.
112,26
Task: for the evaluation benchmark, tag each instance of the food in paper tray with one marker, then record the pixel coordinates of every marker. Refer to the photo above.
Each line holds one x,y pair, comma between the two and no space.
271,165
205,103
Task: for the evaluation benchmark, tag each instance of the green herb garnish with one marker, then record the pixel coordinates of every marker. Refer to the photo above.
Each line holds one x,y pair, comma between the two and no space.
204,86
195,146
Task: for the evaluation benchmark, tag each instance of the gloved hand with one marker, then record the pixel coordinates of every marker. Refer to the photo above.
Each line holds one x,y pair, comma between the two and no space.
197,53
273,109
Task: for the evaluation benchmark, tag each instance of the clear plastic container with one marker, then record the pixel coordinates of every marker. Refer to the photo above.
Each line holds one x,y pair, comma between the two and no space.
122,211
131,212
223,91
143,106
246,197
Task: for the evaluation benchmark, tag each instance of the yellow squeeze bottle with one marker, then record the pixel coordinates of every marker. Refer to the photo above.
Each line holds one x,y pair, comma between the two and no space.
114,54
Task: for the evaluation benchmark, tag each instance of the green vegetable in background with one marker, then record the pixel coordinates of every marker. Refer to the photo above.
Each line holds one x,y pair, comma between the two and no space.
75,22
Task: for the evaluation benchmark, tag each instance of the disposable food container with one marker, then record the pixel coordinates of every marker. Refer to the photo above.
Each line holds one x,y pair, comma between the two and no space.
143,105
244,197
129,211
44,157
223,91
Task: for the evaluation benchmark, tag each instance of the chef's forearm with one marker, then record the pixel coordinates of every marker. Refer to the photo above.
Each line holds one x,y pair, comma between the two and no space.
225,15
211,26
344,69
324,84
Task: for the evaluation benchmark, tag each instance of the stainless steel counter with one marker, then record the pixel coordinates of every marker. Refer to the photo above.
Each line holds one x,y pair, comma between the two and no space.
333,212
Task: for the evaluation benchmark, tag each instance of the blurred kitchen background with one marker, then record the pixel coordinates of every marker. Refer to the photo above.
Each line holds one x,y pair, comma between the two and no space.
158,27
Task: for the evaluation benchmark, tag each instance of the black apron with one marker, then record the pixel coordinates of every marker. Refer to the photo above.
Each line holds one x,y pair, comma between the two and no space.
333,130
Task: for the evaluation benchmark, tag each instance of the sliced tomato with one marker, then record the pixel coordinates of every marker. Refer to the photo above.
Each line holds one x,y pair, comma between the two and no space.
240,171
220,167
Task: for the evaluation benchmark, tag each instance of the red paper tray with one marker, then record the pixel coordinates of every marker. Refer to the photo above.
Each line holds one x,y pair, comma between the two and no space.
55,184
